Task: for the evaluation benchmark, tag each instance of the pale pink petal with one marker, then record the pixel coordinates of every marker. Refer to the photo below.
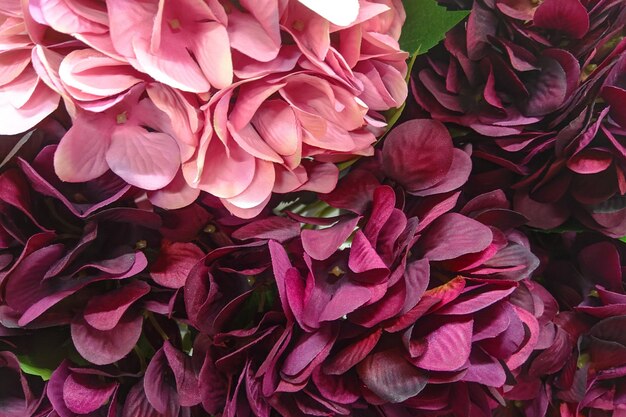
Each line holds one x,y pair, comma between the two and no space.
19,91
80,155
248,138
46,63
17,120
148,160
12,63
226,175
172,65
260,187
94,73
276,123
129,20
183,122
175,195
62,18
267,13
249,37
289,180
250,98
245,213
211,47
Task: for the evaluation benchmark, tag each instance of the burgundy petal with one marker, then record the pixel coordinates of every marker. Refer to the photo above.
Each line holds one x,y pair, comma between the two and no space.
390,376
102,347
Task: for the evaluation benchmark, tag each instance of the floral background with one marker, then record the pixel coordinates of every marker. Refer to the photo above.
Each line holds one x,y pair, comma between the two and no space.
312,208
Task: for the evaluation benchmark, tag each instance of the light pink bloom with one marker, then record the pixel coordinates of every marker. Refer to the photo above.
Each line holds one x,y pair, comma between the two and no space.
96,81
268,140
181,43
25,99
141,139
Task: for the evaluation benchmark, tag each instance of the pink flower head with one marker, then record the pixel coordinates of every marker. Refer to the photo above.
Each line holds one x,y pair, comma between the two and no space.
117,139
276,138
182,43
25,99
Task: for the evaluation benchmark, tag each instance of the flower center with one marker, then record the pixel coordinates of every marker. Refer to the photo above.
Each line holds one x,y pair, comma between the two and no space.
174,24
121,118
298,25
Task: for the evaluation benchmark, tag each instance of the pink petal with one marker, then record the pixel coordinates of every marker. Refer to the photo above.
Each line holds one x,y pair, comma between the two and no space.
248,138
259,189
171,65
276,123
248,36
211,47
80,155
86,71
321,244
177,194
12,63
235,173
245,213
149,160
41,103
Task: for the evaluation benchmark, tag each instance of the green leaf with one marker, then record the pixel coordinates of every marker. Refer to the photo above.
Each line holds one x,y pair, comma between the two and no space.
623,239
28,366
426,24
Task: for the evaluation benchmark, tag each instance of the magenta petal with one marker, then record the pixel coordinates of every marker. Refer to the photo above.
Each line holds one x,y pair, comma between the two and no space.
390,376
567,16
279,229
365,262
447,348
103,312
84,394
186,380
320,244
137,405
104,347
351,355
174,263
485,370
147,160
418,153
453,235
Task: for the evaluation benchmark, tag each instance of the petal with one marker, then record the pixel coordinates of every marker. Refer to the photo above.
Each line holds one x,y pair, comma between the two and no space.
41,103
80,155
453,235
276,123
249,37
448,347
391,377
171,65
321,244
149,160
259,189
103,312
226,174
105,347
418,154
211,47
175,261
84,394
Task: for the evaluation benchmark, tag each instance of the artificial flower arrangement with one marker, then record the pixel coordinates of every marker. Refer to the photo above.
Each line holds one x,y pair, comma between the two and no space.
299,208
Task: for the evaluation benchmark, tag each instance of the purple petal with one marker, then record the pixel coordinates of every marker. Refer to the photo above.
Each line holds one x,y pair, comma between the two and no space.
390,376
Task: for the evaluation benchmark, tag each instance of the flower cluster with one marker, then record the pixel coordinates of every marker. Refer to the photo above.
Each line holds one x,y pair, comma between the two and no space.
162,93
537,86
